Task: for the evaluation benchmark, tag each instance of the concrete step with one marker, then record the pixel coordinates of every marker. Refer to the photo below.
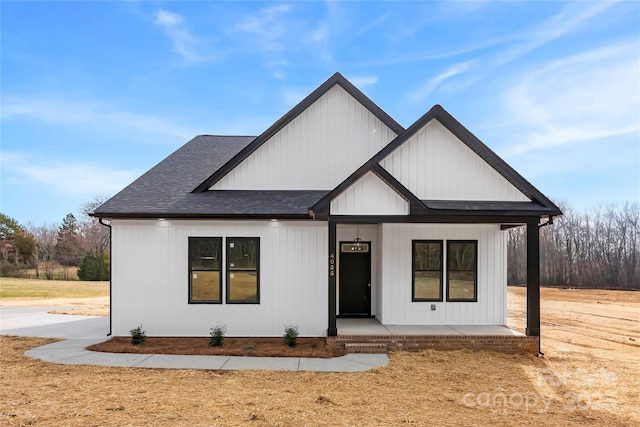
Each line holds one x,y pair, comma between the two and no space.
365,347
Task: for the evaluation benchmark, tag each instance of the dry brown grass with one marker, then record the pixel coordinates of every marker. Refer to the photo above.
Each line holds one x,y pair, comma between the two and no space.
588,376
429,388
81,298
98,306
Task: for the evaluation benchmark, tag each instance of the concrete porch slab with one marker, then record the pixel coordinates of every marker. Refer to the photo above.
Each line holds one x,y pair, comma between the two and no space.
361,327
469,330
371,327
422,330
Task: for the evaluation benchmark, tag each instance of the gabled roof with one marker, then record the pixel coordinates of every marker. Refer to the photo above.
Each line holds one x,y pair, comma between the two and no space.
540,203
179,185
336,79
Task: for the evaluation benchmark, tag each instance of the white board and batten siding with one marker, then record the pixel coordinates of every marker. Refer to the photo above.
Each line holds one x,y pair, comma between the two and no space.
435,165
317,150
395,304
151,279
369,195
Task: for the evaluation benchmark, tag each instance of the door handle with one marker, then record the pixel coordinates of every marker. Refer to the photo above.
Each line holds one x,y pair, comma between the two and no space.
369,284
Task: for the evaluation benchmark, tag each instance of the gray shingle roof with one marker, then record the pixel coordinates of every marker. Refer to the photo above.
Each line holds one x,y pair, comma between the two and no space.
165,190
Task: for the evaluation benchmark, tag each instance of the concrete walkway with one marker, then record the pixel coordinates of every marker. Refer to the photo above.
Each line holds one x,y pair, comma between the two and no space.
73,352
80,332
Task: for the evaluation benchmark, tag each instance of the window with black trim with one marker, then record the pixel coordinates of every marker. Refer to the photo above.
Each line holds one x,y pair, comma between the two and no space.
205,272
462,270
427,270
243,270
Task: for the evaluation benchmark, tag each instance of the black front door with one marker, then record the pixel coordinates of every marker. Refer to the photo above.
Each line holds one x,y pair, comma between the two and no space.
355,279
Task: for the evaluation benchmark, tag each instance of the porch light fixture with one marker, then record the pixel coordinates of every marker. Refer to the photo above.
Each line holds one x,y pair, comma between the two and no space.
357,242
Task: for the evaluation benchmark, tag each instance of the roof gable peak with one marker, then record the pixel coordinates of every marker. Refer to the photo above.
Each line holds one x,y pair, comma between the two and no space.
335,79
437,112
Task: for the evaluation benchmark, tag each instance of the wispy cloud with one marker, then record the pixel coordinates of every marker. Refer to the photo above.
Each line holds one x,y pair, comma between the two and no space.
277,68
97,115
363,81
266,29
555,27
423,91
334,24
586,97
371,25
320,37
460,76
184,43
292,95
79,178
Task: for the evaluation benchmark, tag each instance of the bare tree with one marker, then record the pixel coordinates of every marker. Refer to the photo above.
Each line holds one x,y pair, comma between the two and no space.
95,235
46,237
598,248
517,256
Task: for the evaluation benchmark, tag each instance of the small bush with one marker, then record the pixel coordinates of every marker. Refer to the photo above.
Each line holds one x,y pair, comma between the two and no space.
10,270
94,267
216,338
138,335
290,336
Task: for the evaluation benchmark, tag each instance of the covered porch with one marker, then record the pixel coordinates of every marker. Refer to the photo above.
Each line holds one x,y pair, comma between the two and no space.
387,277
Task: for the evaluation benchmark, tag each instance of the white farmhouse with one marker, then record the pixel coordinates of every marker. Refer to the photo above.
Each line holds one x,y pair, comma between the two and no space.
336,211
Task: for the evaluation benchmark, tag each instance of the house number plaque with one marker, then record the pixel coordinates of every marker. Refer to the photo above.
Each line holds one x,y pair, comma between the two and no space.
332,265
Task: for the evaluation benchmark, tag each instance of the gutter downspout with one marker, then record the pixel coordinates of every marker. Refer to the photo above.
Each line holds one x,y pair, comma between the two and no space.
110,275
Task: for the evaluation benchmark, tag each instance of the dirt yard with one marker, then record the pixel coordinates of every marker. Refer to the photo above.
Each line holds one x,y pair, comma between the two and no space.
589,375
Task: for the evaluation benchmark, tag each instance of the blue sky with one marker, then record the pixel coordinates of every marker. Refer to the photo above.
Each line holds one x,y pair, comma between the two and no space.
96,93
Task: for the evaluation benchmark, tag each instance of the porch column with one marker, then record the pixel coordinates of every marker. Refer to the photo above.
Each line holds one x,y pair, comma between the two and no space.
533,278
332,330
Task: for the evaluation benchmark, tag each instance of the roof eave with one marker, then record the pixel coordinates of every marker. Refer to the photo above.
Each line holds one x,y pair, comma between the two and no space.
143,215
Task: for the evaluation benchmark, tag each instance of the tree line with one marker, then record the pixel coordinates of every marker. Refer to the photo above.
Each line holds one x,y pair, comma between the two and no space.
47,249
599,248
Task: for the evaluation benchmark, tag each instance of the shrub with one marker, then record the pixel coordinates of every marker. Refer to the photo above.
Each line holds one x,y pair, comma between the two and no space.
216,338
290,336
138,335
12,270
94,267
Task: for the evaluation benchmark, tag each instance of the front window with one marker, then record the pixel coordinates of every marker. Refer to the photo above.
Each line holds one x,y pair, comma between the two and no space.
427,270
243,270
205,274
462,270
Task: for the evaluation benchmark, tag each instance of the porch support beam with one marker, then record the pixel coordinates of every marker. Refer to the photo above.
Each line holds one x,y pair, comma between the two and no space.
332,330
533,279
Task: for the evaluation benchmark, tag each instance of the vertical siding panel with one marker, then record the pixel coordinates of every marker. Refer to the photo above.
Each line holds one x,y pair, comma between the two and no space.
316,150
369,196
159,283
293,277
434,164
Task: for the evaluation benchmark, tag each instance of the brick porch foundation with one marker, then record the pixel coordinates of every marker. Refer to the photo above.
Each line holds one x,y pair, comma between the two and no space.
513,344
